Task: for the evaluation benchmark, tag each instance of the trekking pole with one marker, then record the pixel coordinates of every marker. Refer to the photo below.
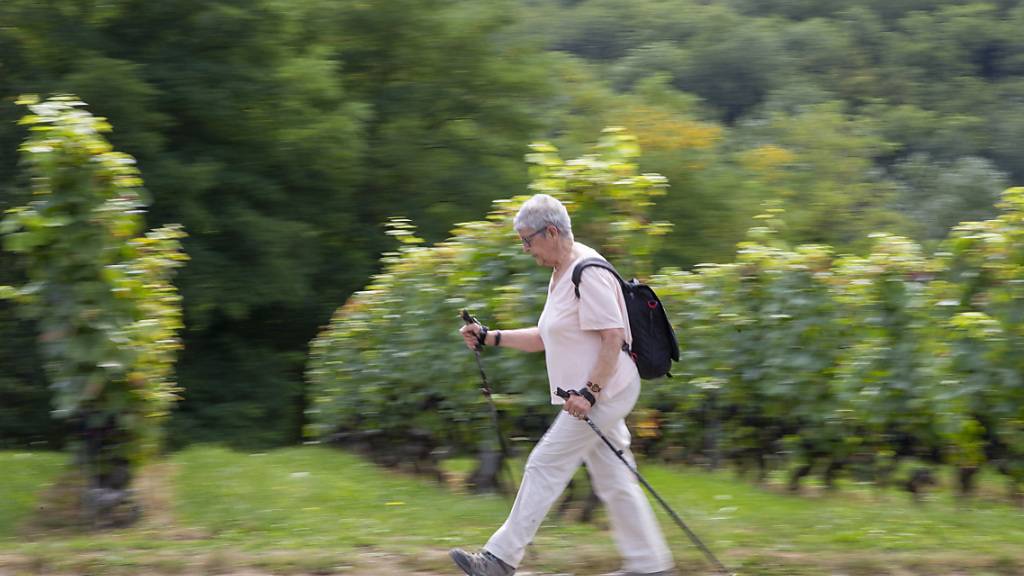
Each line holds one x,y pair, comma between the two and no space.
693,537
486,389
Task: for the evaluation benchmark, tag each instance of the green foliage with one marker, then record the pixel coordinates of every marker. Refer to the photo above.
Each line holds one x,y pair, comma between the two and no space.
101,294
868,359
283,134
885,380
788,353
759,340
938,196
986,263
24,396
818,163
943,77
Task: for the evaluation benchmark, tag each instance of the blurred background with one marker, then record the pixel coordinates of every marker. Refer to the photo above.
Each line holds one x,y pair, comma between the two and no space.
236,227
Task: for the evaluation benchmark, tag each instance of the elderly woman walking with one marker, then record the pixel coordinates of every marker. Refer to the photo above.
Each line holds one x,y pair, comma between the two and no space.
582,340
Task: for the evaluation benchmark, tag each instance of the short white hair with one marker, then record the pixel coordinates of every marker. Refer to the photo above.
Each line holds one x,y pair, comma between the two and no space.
541,211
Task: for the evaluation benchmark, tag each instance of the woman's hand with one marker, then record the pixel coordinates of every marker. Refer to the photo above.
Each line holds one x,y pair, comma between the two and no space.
577,406
471,334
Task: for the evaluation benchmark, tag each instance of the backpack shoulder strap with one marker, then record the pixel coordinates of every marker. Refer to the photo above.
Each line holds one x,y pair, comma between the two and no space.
577,272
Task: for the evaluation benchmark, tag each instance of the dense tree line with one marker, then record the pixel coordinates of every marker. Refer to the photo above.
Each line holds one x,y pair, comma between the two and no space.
283,133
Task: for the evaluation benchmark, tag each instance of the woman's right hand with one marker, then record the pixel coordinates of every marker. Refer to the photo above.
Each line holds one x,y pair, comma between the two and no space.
471,334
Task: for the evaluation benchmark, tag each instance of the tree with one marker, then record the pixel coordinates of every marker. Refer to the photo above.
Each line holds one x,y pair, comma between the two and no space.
102,296
887,377
937,196
986,264
819,164
734,64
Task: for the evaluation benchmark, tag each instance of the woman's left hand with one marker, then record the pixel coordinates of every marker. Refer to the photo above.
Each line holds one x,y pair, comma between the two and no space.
577,406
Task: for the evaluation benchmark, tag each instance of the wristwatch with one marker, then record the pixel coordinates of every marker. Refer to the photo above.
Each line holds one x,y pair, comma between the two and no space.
595,388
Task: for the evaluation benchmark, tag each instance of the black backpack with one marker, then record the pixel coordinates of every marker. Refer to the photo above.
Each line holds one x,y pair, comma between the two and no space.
654,342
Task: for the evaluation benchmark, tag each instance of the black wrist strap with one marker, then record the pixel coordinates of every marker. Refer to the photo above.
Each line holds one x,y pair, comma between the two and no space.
587,395
497,338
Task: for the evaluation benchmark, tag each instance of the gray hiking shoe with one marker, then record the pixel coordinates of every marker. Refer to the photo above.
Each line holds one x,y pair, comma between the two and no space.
480,564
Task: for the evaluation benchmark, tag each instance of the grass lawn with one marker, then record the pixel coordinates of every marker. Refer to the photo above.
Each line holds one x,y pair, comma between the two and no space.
315,510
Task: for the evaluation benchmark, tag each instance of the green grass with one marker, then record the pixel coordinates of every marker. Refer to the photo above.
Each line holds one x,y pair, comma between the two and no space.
314,497
318,510
22,476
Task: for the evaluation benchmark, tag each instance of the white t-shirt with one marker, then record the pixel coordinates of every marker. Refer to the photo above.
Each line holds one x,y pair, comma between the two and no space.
568,326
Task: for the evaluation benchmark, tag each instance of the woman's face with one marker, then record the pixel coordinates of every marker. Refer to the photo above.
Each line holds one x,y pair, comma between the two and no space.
542,244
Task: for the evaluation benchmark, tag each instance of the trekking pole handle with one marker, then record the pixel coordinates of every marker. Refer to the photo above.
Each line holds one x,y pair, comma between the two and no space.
470,319
566,395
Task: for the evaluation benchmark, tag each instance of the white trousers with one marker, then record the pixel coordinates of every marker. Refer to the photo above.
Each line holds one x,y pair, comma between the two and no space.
552,463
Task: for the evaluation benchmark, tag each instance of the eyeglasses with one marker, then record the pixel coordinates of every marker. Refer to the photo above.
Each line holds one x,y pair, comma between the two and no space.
526,240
